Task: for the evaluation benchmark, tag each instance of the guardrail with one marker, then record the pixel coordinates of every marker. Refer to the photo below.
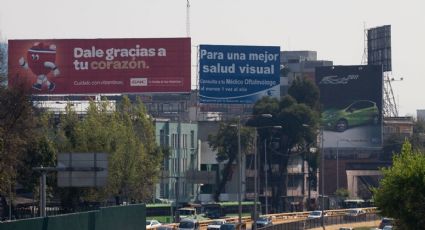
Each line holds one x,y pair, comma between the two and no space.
278,218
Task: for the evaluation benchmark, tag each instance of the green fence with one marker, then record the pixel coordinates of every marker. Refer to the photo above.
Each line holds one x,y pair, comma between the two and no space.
130,217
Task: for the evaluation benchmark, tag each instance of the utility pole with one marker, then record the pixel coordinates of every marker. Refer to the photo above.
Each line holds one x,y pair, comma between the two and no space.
178,163
322,173
265,175
239,172
187,18
254,227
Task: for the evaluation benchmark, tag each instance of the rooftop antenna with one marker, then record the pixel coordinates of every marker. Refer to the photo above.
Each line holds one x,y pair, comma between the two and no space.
187,18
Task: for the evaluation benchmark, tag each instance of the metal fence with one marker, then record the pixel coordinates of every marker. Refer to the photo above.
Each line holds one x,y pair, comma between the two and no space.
31,210
328,220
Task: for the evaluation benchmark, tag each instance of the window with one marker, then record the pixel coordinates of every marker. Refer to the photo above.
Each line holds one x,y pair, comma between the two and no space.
162,138
174,141
184,141
192,139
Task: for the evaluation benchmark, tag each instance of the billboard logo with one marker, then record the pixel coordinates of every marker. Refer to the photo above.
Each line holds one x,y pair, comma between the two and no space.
138,82
336,80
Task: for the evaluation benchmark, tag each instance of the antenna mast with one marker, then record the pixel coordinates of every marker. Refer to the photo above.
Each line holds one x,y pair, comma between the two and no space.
187,18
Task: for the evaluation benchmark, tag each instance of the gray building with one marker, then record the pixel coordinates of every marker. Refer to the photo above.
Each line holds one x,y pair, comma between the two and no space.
179,140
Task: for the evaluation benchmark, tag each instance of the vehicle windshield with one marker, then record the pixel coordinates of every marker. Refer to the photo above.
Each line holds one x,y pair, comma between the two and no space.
148,222
186,212
315,213
186,224
262,219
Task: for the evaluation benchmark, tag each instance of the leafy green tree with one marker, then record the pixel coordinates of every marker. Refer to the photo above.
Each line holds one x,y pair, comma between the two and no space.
299,119
40,151
127,135
225,143
401,193
305,91
17,124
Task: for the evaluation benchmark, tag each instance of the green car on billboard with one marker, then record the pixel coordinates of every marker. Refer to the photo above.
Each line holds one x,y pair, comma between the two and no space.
358,113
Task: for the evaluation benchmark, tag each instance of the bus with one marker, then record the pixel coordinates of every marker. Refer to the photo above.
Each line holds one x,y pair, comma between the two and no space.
357,203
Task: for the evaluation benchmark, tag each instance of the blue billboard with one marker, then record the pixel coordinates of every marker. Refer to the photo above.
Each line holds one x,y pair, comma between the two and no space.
238,74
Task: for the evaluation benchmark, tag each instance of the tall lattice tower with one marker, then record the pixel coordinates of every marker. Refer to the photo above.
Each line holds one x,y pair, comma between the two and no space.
377,51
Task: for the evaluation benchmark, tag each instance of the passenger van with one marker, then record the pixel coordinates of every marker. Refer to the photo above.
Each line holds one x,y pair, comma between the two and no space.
188,224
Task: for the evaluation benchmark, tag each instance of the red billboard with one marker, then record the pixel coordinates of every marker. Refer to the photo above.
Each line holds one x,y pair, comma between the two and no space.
88,66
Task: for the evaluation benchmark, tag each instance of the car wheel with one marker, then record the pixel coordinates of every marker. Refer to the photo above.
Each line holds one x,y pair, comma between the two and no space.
341,125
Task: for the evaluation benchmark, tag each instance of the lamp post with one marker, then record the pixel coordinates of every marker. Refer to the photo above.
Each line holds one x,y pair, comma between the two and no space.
266,189
322,173
238,126
239,173
254,227
240,165
337,164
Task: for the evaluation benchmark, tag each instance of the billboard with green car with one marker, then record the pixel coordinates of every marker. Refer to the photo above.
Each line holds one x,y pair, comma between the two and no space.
351,105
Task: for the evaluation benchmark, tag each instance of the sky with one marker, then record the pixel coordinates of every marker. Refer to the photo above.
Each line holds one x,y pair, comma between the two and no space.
333,28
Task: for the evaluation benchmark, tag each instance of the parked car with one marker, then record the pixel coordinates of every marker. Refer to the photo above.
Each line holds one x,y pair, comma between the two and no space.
358,113
216,224
386,222
152,223
356,214
188,224
315,214
263,222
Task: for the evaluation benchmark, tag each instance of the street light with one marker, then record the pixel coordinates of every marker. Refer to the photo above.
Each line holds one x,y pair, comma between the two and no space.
240,163
256,173
322,173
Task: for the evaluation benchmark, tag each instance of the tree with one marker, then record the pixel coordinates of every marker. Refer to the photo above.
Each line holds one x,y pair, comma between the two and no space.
299,125
126,135
305,91
40,151
401,193
225,142
17,122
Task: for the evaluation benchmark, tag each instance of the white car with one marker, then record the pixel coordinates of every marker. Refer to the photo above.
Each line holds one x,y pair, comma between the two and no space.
315,214
215,224
152,224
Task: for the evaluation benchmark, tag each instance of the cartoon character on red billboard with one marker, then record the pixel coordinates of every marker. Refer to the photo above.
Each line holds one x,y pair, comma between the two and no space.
41,61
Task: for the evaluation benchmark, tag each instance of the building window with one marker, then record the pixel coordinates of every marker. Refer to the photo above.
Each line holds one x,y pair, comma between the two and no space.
162,138
192,139
184,141
174,141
